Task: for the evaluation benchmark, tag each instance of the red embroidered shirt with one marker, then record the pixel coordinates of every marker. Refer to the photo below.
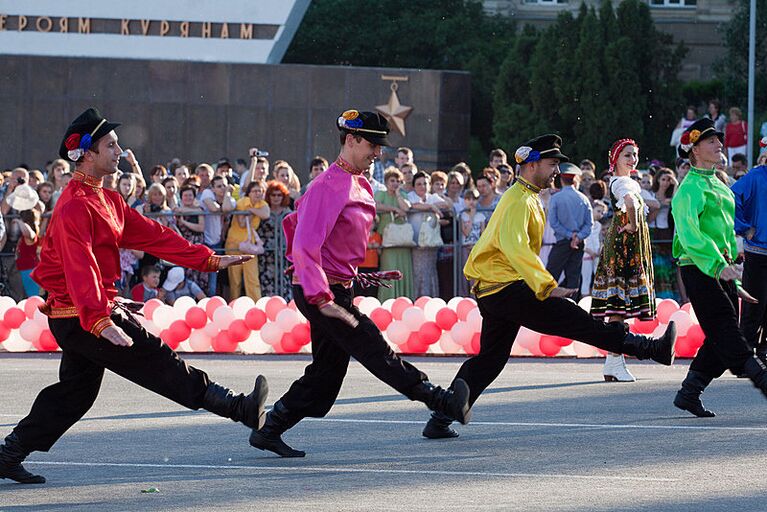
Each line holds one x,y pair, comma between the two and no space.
80,260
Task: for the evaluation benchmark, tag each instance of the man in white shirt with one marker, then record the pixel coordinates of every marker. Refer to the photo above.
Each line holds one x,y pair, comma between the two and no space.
217,201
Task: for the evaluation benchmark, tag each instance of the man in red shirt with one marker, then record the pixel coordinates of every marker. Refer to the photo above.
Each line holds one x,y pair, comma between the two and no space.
79,265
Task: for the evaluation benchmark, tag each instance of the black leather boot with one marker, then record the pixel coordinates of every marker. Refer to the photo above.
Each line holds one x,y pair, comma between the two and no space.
453,403
248,410
660,350
688,398
278,420
12,454
438,427
756,370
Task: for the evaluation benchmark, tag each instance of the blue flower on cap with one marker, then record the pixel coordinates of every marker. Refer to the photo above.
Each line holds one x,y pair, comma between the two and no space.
354,123
85,142
534,156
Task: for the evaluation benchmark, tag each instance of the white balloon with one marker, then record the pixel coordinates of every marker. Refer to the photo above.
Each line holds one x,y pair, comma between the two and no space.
223,317
453,303
287,319
30,330
163,316
6,303
210,329
447,345
585,303
413,317
387,304
271,333
368,304
432,308
261,303
683,321
15,343
584,350
203,302
41,318
242,305
183,304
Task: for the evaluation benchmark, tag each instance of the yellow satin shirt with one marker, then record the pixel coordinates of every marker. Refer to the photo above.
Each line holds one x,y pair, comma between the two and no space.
508,249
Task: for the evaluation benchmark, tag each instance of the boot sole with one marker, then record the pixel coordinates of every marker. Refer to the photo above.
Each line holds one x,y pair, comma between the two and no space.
613,378
461,390
447,433
684,407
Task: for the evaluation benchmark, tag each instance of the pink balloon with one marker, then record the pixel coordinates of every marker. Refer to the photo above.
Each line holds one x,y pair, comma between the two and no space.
150,306
413,317
14,317
273,306
31,305
527,339
399,306
473,347
255,319
223,317
420,302
356,301
398,332
46,342
213,304
474,319
666,308
271,333
287,319
461,333
196,317
29,330
199,341
464,308
292,305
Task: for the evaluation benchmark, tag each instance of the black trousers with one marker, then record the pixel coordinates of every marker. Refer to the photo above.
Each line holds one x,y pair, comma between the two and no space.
753,317
716,306
564,258
148,363
333,343
503,313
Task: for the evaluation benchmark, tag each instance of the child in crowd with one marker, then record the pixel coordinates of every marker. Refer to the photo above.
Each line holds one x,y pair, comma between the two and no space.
472,225
176,285
27,248
592,246
370,264
149,288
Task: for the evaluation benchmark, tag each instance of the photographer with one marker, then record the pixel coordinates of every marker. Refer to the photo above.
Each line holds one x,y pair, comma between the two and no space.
19,176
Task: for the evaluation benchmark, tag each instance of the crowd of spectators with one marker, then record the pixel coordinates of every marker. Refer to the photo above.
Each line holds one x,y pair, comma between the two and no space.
427,223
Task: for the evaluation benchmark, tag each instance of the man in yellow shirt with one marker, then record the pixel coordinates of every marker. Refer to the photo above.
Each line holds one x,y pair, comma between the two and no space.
513,288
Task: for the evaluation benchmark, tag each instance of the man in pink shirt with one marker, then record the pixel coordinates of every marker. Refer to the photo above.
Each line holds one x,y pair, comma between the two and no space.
326,241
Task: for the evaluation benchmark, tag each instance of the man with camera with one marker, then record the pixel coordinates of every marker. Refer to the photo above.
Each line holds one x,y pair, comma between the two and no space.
15,288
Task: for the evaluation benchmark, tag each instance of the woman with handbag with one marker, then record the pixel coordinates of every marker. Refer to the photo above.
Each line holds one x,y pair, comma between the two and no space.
242,239
424,217
397,236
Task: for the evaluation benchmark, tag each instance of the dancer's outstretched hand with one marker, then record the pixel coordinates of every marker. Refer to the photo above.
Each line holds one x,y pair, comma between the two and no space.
747,297
116,336
230,260
564,293
333,310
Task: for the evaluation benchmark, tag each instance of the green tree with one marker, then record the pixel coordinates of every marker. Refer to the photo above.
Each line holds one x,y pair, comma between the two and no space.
420,34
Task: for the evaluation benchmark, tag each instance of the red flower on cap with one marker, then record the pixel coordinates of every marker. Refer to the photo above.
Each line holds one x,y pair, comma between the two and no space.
72,142
685,138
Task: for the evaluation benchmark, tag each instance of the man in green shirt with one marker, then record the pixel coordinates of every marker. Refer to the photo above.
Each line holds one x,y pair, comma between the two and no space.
704,243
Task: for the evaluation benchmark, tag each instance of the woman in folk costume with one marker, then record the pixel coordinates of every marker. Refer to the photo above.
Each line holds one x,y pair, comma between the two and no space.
623,284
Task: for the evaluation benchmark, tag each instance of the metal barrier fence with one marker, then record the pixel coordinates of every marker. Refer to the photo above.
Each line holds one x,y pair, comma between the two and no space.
277,246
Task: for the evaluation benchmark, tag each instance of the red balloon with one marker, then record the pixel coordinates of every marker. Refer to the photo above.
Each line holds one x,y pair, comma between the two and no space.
31,305
223,342
180,330
464,308
46,342
150,306
684,347
666,308
550,345
420,302
644,326
429,333
14,317
213,304
239,330
274,306
414,345
473,347
381,318
196,317
446,318
168,339
4,332
255,319
399,306
289,344
302,334
696,335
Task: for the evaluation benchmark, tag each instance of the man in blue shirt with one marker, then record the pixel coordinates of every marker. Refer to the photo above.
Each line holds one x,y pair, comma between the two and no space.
571,219
751,223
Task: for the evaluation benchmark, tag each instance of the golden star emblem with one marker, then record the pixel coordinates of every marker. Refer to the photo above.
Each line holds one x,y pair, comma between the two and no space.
395,113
